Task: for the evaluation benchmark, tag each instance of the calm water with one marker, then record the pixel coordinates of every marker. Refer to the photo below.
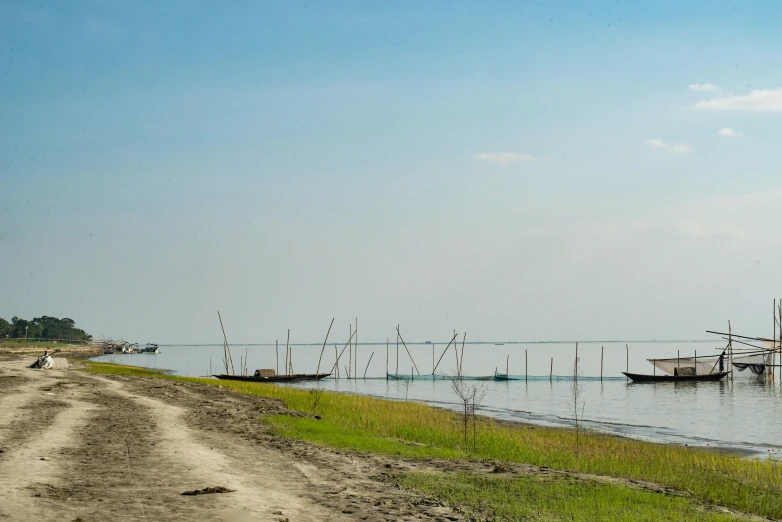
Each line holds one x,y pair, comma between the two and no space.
744,413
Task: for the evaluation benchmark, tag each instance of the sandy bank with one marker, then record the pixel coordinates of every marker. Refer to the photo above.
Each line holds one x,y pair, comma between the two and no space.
77,445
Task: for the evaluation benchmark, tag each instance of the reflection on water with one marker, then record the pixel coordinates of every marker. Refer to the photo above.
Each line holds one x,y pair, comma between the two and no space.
744,413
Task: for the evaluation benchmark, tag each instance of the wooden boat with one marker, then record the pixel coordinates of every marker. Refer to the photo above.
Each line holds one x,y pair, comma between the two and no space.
275,378
639,377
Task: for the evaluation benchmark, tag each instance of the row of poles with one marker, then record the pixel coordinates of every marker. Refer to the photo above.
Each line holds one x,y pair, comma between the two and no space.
351,369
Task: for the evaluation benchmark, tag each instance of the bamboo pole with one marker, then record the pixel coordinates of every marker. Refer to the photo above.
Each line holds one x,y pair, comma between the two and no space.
350,352
286,359
526,361
551,371
386,358
407,350
627,355
397,350
355,363
324,348
461,358
226,348
340,356
601,364
276,357
730,350
443,355
507,366
696,362
433,359
367,368
774,316
336,360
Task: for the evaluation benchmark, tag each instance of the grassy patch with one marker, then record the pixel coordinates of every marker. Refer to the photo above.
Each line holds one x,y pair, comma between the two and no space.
553,498
415,430
19,344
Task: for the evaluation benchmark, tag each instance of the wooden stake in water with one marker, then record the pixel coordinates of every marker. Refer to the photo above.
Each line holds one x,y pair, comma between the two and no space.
601,364
627,355
397,350
367,368
526,361
551,371
276,357
443,355
226,348
288,353
461,358
356,357
386,358
696,362
407,350
324,348
730,349
507,366
350,353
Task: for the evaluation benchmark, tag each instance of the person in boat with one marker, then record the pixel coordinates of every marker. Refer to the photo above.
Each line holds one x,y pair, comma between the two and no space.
722,361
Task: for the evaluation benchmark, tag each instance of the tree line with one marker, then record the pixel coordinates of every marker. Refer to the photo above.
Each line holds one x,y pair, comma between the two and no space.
44,327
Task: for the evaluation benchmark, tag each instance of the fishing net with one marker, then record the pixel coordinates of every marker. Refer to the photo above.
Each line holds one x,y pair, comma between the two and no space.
711,364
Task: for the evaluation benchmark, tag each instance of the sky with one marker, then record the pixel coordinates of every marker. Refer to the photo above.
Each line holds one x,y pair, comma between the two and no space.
513,170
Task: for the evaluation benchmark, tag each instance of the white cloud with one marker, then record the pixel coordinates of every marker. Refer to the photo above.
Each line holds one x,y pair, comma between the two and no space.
504,158
706,87
675,149
756,101
729,133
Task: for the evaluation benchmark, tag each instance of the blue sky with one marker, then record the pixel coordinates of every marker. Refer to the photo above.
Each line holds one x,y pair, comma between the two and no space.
491,167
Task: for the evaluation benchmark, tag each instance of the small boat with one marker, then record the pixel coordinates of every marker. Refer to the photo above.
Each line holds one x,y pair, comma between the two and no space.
149,348
639,377
274,378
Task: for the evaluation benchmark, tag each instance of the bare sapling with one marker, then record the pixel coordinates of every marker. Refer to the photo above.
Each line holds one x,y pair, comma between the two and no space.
470,397
316,394
576,401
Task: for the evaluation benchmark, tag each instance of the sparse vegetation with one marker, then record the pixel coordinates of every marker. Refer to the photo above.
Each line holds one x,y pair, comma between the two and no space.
554,498
413,429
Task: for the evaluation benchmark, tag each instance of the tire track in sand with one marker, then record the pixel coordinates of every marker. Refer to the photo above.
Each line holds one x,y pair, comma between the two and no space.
263,487
23,469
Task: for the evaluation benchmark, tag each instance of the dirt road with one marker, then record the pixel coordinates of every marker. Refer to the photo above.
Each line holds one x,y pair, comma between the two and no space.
77,446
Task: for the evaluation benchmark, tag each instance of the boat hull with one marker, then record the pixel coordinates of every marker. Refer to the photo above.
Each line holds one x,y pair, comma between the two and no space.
638,377
277,378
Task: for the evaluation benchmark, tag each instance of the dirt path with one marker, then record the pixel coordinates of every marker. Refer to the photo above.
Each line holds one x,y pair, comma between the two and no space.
84,447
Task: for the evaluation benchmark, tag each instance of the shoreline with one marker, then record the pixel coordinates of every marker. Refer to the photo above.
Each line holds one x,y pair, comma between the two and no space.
133,427
748,450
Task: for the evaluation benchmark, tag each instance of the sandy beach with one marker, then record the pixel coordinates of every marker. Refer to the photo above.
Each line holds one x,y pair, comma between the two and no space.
77,446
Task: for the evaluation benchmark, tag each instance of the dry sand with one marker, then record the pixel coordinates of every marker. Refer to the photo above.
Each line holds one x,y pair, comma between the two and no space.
78,446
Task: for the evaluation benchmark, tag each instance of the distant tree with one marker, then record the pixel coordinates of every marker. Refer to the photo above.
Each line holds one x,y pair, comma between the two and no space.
5,328
45,327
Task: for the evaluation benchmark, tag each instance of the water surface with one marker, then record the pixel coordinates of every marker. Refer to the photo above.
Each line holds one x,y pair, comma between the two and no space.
744,413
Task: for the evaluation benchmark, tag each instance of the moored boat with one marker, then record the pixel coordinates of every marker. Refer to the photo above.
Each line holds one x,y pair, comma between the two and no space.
274,378
640,377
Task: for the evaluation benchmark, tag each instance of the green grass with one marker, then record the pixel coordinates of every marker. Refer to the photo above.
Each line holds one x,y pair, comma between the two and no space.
411,429
20,343
521,497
